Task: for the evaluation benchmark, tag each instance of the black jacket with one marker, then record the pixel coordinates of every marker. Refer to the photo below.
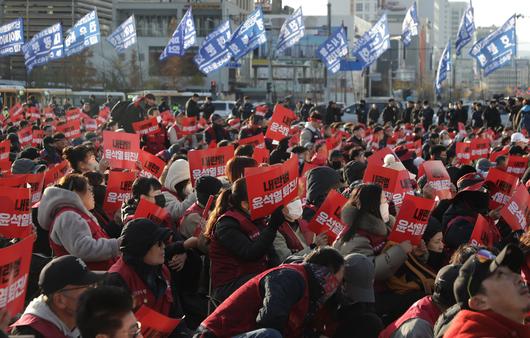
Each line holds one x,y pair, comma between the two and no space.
305,110
428,114
192,108
492,117
390,114
135,112
407,115
207,110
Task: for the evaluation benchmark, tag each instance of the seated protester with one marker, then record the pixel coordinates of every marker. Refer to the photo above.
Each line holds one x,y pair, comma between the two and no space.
493,296
280,154
418,321
280,302
244,150
64,212
80,159
238,246
311,132
26,166
356,315
235,167
110,225
205,187
255,127
320,181
106,312
159,140
216,132
433,238
177,189
336,160
148,189
52,314
320,157
357,139
50,153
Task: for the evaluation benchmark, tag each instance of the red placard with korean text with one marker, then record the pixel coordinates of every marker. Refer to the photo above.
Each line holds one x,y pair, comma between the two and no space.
15,212
411,220
5,148
5,167
119,190
146,127
189,126
463,152
482,232
37,137
517,165
438,178
502,186
151,211
327,218
270,187
378,157
73,114
209,162
36,184
258,141
155,324
90,124
14,264
261,155
396,184
167,117
494,155
121,149
54,173
479,148
280,123
516,211
70,129
151,163
25,136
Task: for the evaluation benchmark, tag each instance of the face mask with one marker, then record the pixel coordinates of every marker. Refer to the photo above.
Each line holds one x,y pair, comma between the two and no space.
159,119
295,209
93,166
446,142
385,214
160,200
188,190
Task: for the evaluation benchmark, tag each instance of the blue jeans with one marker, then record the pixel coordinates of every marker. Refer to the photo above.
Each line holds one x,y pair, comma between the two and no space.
261,333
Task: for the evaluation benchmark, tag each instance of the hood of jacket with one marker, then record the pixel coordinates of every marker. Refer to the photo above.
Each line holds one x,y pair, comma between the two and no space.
39,308
54,199
367,222
319,181
178,172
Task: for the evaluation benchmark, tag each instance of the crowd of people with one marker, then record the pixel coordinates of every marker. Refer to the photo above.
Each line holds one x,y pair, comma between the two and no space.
225,274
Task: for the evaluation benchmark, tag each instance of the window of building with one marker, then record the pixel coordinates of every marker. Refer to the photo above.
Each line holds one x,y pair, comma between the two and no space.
359,7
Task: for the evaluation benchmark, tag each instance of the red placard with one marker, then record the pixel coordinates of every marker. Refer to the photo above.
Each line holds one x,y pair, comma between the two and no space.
209,162
15,212
334,141
396,184
517,165
167,116
14,264
516,211
121,149
34,113
463,152
5,167
327,218
270,187
104,113
119,188
415,146
151,163
36,184
25,136
54,173
151,211
73,114
479,148
5,148
482,232
71,129
38,135
439,178
155,324
280,123
411,220
258,141
261,155
189,126
146,127
504,185
378,157
90,124
494,155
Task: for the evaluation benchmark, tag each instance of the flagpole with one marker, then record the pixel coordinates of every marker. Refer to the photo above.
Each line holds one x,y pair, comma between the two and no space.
103,64
139,65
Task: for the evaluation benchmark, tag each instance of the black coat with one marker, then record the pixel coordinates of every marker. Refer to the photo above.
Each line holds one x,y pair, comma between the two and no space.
492,117
207,110
428,114
305,110
135,112
192,108
390,114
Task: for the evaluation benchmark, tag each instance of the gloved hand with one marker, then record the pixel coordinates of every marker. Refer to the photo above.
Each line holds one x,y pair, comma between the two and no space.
277,218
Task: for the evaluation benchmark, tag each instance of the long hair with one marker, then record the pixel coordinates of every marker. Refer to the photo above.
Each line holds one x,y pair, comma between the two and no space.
228,199
366,198
235,167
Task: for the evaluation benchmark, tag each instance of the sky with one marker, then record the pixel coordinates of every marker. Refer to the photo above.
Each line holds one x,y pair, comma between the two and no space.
487,13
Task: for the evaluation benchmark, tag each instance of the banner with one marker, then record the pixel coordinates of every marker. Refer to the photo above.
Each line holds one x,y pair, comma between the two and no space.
71,129
396,184
463,152
15,212
444,67
502,186
90,124
516,211
5,167
412,219
83,34
372,43
36,138
517,165
189,126
410,24
439,178
73,114
280,123
292,31
248,36
209,162
465,30
119,190
5,148
261,155
34,114
182,39
151,164
12,37
271,187
121,149
146,209
25,136
54,173
155,324
146,127
14,264
44,47
482,233
258,141
479,148
327,218
333,50
124,36
213,52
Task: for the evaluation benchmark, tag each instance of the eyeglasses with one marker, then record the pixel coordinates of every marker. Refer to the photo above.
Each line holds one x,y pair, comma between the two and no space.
483,256
137,331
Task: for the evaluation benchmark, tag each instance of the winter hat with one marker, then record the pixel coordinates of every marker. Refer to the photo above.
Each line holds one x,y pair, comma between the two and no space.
443,285
178,172
433,227
319,181
359,276
26,166
484,164
206,186
353,171
391,163
139,235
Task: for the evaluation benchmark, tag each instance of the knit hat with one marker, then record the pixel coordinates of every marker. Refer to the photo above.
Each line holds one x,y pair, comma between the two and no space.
26,166
178,172
359,276
319,181
443,285
353,171
433,227
206,186
139,235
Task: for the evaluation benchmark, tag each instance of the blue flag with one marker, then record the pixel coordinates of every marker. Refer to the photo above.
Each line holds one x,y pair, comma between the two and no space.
334,49
444,66
409,27
373,43
12,37
44,47
83,34
465,30
182,39
213,53
497,49
292,31
249,35
124,36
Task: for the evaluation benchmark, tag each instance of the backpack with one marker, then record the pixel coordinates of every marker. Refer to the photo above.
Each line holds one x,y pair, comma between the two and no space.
118,111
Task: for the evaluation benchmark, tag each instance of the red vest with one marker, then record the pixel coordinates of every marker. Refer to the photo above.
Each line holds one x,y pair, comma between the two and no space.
156,142
225,266
97,233
195,208
424,309
45,328
237,314
140,292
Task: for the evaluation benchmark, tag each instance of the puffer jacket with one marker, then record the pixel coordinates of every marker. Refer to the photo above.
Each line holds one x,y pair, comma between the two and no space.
70,230
281,246
174,207
387,262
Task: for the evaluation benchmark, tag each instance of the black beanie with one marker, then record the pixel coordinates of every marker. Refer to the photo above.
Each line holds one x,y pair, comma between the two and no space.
433,227
139,235
206,186
353,171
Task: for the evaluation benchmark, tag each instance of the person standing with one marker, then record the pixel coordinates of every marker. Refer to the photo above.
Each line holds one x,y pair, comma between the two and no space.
361,112
192,106
390,113
373,114
492,117
207,108
427,114
407,114
305,110
332,113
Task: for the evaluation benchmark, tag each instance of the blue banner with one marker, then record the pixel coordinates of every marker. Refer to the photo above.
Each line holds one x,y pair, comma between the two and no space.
182,39
444,66
497,49
333,50
465,30
213,53
12,37
409,27
373,43
83,34
248,36
292,31
44,47
124,36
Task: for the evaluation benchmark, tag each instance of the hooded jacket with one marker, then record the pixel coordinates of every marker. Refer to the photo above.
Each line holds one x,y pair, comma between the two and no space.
319,182
174,207
469,324
70,230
